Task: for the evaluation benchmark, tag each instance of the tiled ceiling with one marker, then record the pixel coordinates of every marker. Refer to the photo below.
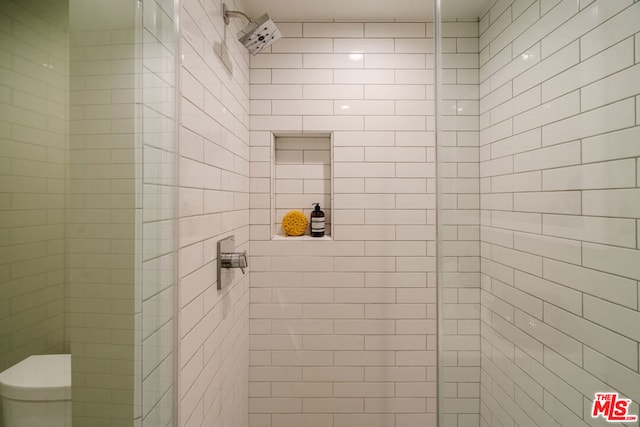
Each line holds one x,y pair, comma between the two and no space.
364,10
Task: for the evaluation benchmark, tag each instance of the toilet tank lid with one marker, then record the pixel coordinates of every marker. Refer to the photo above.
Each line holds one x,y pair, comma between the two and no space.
37,378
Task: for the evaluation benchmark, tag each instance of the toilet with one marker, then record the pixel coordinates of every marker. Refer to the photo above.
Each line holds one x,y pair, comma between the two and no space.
36,392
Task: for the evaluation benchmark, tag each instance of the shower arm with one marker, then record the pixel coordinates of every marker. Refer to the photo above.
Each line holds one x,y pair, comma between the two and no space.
233,13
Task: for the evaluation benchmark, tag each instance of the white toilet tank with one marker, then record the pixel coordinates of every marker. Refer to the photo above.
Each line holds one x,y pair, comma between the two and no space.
37,392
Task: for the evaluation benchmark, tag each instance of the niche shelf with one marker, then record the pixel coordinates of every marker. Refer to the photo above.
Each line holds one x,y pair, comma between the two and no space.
301,175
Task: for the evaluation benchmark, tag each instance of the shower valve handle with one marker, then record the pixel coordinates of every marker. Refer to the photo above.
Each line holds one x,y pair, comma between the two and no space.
234,260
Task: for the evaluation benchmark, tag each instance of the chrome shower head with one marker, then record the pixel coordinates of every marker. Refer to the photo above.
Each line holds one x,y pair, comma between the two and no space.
259,34
256,35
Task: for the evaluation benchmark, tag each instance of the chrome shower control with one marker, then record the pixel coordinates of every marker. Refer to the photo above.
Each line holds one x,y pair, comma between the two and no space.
228,259
234,260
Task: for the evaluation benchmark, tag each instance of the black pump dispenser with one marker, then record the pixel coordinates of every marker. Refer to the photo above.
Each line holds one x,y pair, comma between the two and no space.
317,222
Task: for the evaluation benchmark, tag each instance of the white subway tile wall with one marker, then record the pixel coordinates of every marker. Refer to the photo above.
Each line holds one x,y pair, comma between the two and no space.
33,115
459,210
214,186
343,332
559,189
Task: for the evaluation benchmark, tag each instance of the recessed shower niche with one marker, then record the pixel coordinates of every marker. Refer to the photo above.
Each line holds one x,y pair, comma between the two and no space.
301,176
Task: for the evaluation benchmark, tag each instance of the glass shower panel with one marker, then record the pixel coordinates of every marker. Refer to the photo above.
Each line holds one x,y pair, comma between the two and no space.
557,178
156,202
458,220
101,214
87,199
34,72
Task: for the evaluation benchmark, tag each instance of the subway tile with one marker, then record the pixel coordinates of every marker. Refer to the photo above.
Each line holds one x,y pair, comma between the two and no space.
547,68
615,174
270,92
395,311
281,60
580,379
332,60
364,108
364,76
395,185
352,45
549,381
337,29
516,27
499,22
517,144
364,389
549,157
277,405
548,112
621,261
579,24
549,247
331,123
613,231
612,316
414,45
496,132
396,60
559,411
415,77
302,45
608,62
610,89
396,30
394,92
516,105
364,420
299,76
595,336
525,181
364,358
608,370
290,29
460,29
310,420
336,311
610,146
277,123
497,62
516,259
527,222
395,405
333,92
613,203
334,342
298,357
334,373
619,290
559,202
302,107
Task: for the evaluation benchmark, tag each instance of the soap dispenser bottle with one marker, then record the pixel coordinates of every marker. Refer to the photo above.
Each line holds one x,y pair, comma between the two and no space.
317,222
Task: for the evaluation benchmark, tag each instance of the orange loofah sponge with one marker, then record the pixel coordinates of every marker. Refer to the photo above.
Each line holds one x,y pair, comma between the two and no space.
294,223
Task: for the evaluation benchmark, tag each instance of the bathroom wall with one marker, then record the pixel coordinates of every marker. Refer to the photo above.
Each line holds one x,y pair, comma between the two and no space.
343,331
33,142
100,212
214,203
559,194
459,218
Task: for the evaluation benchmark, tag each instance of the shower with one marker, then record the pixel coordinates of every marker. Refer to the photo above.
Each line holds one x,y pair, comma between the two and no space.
256,35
